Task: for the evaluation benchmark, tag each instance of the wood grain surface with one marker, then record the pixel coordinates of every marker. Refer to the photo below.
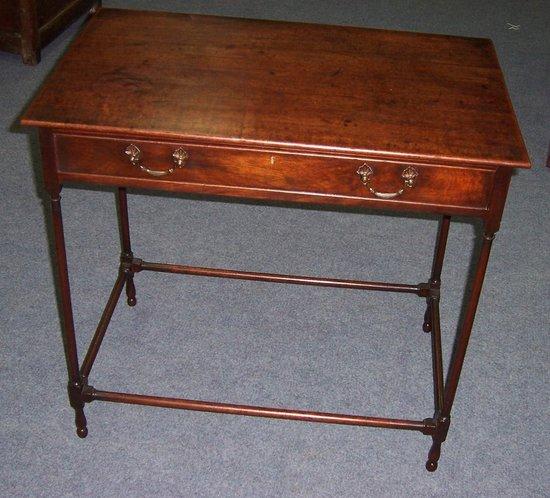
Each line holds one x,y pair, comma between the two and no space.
297,87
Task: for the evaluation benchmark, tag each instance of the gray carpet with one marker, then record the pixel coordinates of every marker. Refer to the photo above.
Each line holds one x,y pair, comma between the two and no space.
265,344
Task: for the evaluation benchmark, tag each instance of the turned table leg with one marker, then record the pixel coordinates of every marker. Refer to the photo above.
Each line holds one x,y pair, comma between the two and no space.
76,382
126,255
437,266
443,417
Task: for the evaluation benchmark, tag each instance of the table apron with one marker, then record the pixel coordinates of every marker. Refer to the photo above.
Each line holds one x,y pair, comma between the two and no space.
208,170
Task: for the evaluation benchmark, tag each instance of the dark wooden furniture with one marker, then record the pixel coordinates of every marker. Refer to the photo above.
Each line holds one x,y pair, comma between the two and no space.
302,113
27,25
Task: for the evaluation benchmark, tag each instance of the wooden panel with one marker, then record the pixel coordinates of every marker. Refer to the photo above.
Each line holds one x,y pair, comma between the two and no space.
262,174
48,9
365,92
9,15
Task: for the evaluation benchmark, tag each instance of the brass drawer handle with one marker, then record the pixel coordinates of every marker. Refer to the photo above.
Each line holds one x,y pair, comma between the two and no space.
408,175
179,156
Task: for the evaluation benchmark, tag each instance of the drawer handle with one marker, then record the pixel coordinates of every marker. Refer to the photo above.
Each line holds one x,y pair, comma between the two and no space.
408,175
179,156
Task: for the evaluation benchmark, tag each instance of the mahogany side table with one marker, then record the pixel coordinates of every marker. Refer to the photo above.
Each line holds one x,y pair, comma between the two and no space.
290,112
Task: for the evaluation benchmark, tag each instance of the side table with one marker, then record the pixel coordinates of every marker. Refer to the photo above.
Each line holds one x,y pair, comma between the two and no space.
288,112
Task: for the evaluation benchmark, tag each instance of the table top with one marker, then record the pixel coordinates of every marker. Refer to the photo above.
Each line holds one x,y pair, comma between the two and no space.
289,86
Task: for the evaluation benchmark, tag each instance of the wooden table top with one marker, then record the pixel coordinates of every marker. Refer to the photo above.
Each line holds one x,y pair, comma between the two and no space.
287,86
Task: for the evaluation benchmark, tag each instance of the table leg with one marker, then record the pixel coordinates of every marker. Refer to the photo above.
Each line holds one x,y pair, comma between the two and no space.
30,35
126,254
443,418
437,266
76,383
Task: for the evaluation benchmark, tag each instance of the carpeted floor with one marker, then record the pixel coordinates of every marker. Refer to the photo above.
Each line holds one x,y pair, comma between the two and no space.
265,344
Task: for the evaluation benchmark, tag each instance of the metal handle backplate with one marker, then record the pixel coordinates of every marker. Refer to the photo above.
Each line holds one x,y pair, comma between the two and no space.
408,175
179,158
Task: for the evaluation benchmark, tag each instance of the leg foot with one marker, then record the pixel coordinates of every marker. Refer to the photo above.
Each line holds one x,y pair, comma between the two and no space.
433,456
77,402
130,290
81,423
431,466
427,325
31,58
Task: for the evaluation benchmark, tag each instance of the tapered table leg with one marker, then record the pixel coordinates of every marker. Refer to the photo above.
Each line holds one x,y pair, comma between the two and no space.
461,344
76,382
126,254
437,266
30,34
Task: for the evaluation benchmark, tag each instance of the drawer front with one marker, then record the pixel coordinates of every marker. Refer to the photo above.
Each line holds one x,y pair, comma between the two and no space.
271,175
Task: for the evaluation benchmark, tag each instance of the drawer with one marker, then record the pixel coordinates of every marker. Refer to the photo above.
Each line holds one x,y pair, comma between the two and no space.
258,174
